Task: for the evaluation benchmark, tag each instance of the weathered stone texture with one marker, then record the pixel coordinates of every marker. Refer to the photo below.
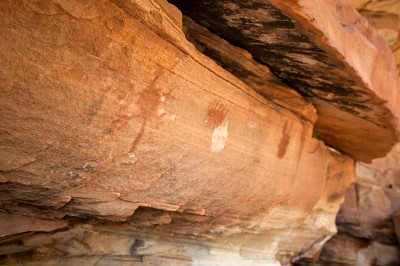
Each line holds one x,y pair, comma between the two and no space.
240,63
121,142
384,16
327,52
12,224
109,115
368,220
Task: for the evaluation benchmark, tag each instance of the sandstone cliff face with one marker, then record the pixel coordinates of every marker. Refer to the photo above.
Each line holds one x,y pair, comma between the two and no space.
130,145
384,16
368,221
307,45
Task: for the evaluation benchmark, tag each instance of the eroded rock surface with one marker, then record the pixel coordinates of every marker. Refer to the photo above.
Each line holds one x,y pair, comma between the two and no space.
240,63
368,221
329,53
133,147
384,16
110,116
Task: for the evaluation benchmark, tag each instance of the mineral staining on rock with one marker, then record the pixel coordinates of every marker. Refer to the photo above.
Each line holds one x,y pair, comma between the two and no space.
328,53
219,137
130,130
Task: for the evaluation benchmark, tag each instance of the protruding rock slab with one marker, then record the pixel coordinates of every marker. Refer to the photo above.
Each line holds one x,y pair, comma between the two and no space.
240,63
325,50
15,224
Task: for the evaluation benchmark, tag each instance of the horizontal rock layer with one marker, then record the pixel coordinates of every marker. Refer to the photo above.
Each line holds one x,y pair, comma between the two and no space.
240,63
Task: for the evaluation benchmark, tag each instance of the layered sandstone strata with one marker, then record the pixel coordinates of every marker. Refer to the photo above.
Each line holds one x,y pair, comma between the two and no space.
113,123
327,52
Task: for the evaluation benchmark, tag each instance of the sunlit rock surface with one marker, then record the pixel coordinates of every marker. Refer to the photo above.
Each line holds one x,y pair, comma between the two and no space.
124,140
368,221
